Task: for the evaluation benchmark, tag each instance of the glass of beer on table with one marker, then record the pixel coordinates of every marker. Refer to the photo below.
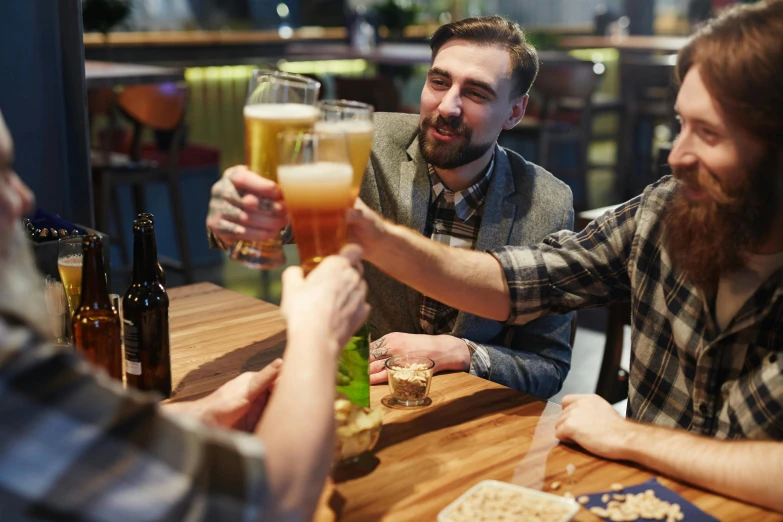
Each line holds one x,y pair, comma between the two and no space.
315,175
69,264
355,120
276,102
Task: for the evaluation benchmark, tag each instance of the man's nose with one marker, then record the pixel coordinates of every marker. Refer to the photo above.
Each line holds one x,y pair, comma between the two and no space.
681,154
25,195
451,104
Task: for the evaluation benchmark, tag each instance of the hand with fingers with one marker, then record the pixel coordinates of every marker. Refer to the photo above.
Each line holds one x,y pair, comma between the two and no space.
448,352
330,303
591,422
238,404
245,206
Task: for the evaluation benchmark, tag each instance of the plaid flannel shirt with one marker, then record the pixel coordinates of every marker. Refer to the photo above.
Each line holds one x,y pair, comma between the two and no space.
454,219
75,446
685,372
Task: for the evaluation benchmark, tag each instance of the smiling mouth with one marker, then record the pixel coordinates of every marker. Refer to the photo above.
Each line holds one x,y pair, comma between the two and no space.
444,131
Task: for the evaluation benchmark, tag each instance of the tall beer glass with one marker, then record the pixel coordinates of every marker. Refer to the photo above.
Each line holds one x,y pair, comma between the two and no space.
69,264
315,176
355,120
276,101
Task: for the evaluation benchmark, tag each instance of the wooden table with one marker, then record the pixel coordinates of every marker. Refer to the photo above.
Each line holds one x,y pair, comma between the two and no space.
426,456
663,44
107,74
216,334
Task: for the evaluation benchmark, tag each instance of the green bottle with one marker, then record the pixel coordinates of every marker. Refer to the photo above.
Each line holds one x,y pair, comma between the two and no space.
353,368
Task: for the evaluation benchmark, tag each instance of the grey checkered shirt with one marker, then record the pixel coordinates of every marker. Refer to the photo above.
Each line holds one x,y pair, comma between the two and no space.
75,446
454,219
685,372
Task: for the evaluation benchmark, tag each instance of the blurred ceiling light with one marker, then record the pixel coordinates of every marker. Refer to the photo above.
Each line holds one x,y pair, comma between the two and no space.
282,10
285,32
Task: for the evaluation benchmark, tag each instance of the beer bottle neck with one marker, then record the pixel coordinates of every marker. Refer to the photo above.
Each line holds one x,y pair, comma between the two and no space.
145,257
95,293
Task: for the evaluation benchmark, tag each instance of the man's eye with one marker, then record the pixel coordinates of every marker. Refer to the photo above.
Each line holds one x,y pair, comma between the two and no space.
478,95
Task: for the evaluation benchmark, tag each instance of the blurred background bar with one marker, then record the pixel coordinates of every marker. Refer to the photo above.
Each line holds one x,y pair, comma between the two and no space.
42,100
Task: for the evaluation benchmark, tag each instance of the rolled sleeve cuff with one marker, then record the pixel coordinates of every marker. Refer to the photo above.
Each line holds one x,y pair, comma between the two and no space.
527,279
480,363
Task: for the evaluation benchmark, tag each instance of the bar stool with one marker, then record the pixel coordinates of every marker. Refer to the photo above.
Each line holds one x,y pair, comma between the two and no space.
160,108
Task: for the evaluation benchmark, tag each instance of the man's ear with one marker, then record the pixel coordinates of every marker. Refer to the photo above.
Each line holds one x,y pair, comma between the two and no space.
517,112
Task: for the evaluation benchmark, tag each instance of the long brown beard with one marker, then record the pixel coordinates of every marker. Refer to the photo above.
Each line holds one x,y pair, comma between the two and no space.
708,238
21,284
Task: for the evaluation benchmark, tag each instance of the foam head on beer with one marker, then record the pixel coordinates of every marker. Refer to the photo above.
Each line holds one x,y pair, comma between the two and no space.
318,196
359,134
263,122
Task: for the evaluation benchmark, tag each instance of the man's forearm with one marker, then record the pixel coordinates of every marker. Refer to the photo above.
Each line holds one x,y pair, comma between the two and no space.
467,280
748,470
298,426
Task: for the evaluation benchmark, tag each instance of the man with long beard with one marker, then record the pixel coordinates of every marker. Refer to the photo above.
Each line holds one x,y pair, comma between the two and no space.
75,446
700,257
443,174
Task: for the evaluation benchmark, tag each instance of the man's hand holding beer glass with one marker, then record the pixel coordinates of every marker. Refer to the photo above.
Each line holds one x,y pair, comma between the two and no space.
243,205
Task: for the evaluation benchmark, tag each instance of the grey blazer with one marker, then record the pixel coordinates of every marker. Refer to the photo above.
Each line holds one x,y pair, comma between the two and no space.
524,204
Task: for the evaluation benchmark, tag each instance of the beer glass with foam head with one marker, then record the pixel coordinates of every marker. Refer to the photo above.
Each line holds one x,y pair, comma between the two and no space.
355,120
315,175
276,102
69,264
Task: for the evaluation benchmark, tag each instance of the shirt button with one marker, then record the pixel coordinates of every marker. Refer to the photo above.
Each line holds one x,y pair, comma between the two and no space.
703,408
773,358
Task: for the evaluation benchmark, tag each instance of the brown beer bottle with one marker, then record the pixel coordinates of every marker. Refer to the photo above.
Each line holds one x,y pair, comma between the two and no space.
96,323
151,219
146,317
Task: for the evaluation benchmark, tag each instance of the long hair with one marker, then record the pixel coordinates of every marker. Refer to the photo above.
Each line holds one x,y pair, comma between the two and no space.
740,59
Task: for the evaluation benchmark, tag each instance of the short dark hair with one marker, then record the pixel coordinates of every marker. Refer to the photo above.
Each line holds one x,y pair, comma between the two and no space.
740,59
495,30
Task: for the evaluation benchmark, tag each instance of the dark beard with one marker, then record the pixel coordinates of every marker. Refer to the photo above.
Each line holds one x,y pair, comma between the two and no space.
708,238
449,156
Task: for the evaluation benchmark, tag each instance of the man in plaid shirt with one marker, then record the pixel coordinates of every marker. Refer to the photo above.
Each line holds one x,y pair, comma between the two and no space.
75,446
699,256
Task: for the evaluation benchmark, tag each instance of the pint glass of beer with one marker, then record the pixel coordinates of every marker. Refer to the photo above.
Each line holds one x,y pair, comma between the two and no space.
315,175
355,120
276,101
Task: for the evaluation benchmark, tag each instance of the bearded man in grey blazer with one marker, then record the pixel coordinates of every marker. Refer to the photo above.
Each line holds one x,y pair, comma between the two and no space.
443,174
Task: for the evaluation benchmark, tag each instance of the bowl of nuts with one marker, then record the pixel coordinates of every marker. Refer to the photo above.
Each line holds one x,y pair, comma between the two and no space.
409,378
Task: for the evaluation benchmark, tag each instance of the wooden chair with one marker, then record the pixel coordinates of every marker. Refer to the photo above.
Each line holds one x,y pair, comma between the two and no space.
378,91
565,95
649,94
160,108
612,378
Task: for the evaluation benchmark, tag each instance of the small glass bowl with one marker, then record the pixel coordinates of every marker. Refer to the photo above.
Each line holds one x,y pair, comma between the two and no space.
409,378
358,430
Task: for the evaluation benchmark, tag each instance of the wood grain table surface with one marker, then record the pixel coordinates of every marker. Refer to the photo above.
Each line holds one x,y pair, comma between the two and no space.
216,334
471,430
108,74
